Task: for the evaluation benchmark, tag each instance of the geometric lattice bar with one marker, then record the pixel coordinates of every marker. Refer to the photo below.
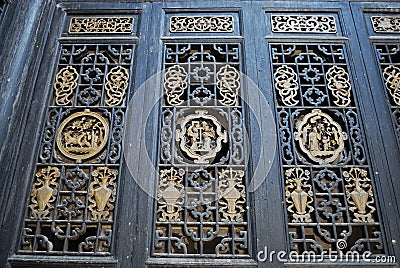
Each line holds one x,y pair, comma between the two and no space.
303,24
202,188
104,25
331,203
71,209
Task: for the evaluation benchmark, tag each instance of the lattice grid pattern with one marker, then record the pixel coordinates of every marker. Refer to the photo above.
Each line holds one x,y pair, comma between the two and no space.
328,181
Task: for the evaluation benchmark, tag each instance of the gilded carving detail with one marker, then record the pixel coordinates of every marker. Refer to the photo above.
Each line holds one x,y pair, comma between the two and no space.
102,193
391,74
320,137
200,136
385,24
101,25
228,84
82,135
299,194
175,83
286,84
44,192
170,194
116,85
201,24
359,194
231,195
65,84
303,24
339,85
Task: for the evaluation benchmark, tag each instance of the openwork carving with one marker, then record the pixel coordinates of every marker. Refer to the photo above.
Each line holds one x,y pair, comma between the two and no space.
359,194
108,25
228,83
386,24
232,195
339,85
102,193
170,195
66,82
391,75
74,193
303,24
44,192
175,84
116,86
320,137
325,166
388,55
201,24
82,135
299,194
201,136
286,84
201,208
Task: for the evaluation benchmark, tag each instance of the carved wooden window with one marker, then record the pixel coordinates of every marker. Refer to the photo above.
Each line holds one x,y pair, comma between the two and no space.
329,184
202,197
389,59
71,208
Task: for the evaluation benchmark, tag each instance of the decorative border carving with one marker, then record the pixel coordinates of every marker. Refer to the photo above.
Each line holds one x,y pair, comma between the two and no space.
386,24
109,25
303,24
201,24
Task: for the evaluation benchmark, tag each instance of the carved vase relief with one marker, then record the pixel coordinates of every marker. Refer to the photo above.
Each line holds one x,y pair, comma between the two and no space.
102,193
82,135
320,137
359,194
299,194
44,192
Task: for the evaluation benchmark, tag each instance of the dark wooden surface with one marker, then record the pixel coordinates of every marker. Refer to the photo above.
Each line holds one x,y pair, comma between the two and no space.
28,48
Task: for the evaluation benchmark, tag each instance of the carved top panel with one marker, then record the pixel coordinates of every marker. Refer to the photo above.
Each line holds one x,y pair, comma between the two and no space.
303,24
386,24
104,25
201,24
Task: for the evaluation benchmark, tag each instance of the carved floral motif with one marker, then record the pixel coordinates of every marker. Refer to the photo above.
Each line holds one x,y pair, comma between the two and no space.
385,24
391,75
175,83
116,85
101,25
65,84
201,24
228,83
303,24
339,85
286,84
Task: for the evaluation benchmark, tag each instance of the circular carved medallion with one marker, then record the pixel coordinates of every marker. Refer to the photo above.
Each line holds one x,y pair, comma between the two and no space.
320,137
200,136
82,135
